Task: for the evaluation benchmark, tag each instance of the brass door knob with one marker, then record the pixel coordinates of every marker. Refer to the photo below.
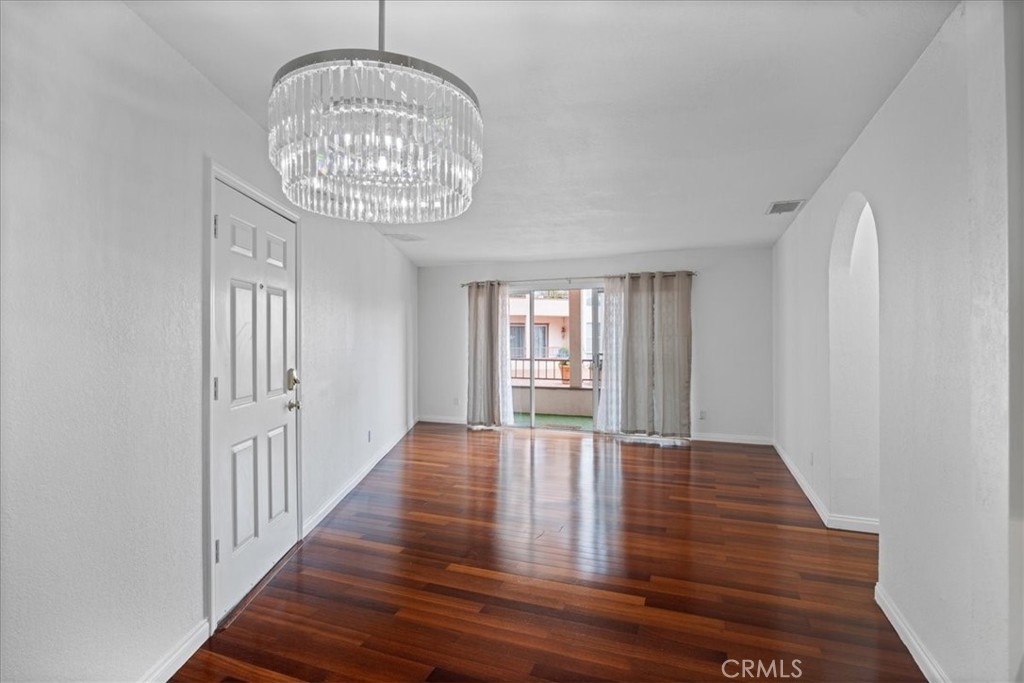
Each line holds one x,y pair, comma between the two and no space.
294,405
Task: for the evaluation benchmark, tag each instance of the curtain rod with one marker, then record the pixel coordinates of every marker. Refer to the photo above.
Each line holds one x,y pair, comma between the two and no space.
577,277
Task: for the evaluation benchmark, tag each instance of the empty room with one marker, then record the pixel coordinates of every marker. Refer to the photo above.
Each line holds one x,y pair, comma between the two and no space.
588,340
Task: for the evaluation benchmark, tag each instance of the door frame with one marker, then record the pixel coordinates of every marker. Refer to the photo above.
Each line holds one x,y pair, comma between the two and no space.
215,173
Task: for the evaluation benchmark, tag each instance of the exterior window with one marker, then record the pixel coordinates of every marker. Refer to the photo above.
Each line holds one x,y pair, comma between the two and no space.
540,340
517,340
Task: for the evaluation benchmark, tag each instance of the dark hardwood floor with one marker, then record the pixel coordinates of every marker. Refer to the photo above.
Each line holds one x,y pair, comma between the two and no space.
560,556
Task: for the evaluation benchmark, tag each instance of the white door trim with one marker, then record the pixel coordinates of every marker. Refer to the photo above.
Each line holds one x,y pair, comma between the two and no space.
214,172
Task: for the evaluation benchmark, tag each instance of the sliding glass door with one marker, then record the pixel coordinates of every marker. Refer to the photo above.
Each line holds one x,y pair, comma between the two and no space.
555,369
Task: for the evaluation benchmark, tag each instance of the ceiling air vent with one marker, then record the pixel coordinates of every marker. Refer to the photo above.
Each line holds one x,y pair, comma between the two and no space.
404,237
788,206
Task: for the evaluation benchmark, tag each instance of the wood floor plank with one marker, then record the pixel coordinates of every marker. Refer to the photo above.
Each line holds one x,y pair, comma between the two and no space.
519,555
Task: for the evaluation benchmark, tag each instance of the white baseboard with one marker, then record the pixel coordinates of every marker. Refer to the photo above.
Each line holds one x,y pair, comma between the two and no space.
443,420
929,667
325,509
868,525
179,654
732,438
812,496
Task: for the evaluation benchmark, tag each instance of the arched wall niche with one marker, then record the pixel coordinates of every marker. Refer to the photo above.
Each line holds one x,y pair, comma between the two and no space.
854,368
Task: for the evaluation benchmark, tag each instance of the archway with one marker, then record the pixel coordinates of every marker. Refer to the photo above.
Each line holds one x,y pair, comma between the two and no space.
854,368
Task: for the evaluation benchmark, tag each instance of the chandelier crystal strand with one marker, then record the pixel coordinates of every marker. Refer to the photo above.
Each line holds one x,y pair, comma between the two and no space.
366,136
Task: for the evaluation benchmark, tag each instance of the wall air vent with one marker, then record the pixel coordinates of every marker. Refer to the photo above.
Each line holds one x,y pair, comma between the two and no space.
788,206
404,237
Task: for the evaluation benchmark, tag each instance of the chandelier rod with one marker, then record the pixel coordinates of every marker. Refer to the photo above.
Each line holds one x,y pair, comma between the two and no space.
380,27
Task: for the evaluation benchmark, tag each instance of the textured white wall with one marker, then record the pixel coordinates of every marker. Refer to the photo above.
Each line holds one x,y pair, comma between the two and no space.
104,133
929,164
359,354
732,332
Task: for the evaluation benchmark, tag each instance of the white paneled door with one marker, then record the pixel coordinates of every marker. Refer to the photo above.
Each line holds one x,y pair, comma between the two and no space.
255,403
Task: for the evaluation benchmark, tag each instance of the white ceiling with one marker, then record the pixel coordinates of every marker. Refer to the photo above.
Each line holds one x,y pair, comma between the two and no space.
609,127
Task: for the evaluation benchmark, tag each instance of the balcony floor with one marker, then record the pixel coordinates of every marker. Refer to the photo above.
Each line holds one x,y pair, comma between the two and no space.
583,423
550,384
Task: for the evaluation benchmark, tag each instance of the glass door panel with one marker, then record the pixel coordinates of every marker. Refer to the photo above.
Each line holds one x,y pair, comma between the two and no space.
556,368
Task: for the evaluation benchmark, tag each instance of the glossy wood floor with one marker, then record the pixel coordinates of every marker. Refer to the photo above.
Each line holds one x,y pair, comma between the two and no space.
561,556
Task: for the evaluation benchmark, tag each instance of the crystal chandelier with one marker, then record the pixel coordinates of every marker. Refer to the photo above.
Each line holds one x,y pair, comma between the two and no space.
375,136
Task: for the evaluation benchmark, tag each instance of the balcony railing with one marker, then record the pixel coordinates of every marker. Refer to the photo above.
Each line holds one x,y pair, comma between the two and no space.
549,369
521,352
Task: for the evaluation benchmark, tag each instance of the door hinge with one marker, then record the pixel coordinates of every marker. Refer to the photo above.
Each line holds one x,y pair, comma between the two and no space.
215,220
216,388
216,551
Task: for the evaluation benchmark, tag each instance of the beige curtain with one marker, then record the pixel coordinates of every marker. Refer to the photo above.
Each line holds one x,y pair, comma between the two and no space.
655,363
609,407
490,381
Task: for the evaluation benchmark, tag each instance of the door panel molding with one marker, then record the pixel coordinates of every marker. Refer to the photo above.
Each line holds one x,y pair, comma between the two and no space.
233,230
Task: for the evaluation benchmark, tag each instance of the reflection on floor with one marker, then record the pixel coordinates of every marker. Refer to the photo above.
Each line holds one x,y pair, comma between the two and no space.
524,555
576,423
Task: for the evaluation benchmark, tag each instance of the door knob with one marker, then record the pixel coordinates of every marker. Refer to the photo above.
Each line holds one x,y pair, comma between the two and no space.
293,378
294,405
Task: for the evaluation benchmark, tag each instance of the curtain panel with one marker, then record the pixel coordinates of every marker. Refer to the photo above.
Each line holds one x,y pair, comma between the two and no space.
609,406
489,401
647,342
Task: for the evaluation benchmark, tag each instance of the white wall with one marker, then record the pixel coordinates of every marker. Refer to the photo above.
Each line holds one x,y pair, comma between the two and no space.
932,163
732,332
358,356
105,130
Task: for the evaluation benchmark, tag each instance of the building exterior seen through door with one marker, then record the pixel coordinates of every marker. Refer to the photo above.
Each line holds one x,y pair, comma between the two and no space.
554,342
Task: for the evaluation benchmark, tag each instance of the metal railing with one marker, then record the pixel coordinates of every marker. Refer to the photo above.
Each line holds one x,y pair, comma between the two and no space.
557,352
548,369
